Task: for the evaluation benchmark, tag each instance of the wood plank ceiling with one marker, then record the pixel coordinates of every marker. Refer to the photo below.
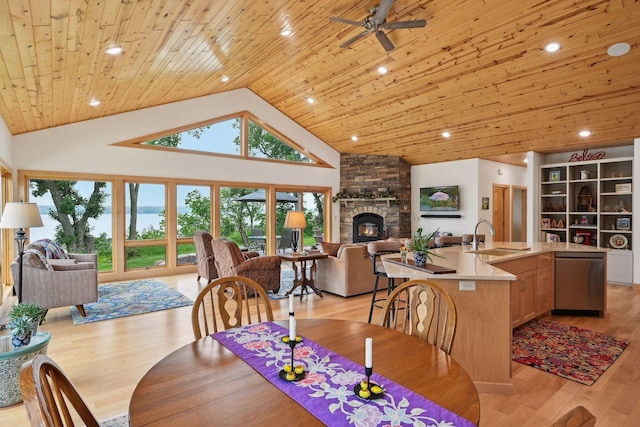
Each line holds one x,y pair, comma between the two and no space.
478,69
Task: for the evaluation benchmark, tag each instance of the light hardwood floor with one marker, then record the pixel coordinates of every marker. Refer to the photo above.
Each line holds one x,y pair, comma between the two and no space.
107,359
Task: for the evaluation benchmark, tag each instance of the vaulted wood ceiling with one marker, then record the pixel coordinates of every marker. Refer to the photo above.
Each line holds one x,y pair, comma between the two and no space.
478,69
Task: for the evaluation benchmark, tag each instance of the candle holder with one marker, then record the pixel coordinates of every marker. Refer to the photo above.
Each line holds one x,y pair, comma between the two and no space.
367,389
292,372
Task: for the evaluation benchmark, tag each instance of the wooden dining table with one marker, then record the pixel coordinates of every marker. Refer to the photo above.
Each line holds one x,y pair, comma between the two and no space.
204,383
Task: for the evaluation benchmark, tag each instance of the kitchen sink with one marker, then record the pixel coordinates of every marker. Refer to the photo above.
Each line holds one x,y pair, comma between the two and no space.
494,251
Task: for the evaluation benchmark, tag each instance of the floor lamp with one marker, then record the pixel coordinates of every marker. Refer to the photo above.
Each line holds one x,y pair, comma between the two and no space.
20,215
296,221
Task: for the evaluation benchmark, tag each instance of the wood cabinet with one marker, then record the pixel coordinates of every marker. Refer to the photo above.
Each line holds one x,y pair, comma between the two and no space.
533,290
544,283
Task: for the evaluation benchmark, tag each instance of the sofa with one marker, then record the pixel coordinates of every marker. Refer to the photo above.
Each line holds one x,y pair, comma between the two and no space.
55,278
349,270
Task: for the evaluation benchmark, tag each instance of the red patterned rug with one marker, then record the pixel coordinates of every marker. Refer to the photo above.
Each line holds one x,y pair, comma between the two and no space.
567,351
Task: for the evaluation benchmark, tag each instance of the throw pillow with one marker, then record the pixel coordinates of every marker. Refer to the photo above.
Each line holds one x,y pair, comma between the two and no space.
331,248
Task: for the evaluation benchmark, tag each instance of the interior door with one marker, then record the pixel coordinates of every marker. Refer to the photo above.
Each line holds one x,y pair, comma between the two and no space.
518,214
501,213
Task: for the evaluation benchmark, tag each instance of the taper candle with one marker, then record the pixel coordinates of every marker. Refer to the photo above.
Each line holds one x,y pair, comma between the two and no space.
292,329
368,352
290,304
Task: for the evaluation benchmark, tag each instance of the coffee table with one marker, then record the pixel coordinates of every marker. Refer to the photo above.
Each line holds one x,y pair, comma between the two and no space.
300,277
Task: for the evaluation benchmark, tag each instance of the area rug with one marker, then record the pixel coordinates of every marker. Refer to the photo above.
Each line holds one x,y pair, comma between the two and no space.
570,352
286,283
129,298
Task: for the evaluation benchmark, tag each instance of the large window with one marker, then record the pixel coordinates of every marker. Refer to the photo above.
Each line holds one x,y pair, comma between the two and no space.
139,227
241,135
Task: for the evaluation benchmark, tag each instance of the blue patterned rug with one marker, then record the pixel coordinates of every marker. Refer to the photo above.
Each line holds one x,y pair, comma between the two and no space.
286,283
129,298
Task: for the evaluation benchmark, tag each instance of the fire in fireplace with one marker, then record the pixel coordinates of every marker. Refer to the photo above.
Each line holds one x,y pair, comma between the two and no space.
367,227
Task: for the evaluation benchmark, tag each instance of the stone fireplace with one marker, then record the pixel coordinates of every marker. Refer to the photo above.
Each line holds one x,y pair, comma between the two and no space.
361,173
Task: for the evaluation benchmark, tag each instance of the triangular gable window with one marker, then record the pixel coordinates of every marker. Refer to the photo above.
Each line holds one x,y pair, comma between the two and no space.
224,137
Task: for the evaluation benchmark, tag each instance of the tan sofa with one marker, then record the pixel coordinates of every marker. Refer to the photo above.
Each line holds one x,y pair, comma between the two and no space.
347,274
351,271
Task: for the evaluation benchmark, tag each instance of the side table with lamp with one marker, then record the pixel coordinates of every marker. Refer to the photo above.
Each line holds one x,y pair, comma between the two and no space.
296,221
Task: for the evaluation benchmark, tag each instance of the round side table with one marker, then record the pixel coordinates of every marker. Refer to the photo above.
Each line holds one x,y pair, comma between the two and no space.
11,362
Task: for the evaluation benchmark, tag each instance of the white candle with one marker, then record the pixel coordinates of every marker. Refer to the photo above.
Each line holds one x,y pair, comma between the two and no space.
290,303
368,352
292,328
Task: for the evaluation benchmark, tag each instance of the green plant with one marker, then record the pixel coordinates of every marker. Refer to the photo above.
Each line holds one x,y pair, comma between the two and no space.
20,326
33,312
420,243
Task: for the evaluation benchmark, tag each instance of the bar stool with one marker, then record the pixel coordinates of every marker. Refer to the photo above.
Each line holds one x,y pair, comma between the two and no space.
376,249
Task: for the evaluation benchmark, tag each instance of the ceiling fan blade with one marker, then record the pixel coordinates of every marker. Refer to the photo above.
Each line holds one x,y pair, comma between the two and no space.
404,24
384,41
346,21
354,39
383,9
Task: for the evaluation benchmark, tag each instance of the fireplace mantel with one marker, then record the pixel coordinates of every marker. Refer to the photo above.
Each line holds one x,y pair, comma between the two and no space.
345,201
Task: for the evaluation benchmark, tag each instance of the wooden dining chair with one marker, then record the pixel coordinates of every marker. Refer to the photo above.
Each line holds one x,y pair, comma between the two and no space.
229,302
424,309
51,399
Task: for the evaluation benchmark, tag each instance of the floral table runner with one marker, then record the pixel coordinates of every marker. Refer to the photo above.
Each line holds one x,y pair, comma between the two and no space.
327,389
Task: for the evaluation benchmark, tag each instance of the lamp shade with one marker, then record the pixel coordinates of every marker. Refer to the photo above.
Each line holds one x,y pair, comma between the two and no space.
21,215
295,219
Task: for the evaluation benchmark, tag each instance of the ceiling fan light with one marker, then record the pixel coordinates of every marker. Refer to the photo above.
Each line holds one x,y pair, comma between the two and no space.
552,47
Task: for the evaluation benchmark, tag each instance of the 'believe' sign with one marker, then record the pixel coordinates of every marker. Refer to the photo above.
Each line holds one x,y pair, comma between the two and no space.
586,155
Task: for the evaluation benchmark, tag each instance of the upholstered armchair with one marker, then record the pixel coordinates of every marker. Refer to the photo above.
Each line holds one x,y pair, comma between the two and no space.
69,280
231,261
204,254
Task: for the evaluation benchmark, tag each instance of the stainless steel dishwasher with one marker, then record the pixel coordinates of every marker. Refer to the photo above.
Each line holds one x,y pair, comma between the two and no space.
580,281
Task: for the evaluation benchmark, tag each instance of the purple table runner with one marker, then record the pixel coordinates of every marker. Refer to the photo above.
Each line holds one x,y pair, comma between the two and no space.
327,389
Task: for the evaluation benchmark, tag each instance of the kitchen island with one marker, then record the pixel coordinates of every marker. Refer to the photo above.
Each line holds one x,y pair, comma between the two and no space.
497,287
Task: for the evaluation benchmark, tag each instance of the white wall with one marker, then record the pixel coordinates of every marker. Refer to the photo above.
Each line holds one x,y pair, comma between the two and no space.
5,145
475,179
85,147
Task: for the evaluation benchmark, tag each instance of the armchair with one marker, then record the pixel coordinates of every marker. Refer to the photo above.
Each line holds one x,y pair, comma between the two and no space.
204,254
60,282
230,261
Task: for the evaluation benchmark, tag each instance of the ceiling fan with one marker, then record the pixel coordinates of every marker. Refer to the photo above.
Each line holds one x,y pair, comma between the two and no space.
376,21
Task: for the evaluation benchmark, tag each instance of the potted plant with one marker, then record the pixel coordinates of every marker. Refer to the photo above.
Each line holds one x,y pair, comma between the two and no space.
420,246
20,328
33,312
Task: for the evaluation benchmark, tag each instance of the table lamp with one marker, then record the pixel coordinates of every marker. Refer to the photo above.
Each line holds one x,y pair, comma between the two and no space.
296,221
20,215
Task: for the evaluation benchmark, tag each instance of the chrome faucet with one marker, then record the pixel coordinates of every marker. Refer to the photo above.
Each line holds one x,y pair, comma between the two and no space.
475,233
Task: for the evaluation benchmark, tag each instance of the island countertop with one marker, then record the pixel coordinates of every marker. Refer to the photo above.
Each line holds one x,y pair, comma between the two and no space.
475,265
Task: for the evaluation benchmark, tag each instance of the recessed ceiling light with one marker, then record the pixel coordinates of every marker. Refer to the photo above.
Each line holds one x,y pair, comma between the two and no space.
584,133
354,138
285,33
94,102
382,69
552,47
618,49
446,134
310,100
114,50
224,79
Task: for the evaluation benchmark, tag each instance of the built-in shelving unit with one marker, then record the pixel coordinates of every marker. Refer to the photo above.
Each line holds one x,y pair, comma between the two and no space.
590,203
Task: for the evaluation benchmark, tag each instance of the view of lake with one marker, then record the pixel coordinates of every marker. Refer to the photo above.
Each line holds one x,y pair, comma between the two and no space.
101,225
